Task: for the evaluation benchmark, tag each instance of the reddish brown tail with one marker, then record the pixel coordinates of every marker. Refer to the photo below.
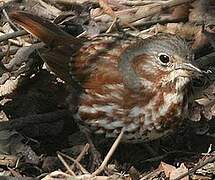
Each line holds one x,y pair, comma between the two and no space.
46,31
63,45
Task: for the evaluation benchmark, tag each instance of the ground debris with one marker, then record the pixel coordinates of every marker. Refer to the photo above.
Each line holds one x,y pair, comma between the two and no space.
38,136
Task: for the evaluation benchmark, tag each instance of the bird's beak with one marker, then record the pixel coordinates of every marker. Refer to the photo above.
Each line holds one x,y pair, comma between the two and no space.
188,67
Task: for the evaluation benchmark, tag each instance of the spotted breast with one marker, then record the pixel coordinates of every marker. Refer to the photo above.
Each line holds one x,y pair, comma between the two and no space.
119,81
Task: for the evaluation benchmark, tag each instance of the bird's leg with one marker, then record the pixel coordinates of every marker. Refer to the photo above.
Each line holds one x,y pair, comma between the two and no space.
95,156
109,154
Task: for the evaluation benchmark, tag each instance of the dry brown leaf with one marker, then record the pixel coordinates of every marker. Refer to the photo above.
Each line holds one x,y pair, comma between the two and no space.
181,11
147,10
42,8
200,40
207,169
210,34
186,31
172,172
203,10
178,172
95,12
127,15
117,5
208,10
196,14
107,9
207,101
167,168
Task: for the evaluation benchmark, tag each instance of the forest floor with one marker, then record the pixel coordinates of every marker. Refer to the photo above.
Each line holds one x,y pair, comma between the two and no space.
39,138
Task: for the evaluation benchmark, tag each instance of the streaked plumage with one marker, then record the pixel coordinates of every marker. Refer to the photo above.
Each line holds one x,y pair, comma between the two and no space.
118,80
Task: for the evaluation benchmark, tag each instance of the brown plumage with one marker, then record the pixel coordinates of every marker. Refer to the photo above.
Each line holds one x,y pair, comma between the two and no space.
119,81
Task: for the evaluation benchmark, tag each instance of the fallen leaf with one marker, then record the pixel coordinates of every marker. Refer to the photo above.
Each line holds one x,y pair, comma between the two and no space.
167,168
181,11
107,9
196,13
200,40
178,172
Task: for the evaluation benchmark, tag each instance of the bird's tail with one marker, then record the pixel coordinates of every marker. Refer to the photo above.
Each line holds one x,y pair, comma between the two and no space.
62,44
45,30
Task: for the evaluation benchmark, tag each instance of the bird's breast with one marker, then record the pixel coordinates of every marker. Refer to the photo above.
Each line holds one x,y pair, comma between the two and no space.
143,117
107,105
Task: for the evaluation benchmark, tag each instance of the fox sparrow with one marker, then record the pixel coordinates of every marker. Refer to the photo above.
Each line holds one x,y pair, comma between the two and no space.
119,81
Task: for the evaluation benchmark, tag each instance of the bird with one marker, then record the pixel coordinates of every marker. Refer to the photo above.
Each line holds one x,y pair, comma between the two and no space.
119,80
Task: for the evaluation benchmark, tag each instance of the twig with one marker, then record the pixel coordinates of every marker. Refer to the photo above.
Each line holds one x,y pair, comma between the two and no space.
109,154
112,24
173,3
65,164
198,166
42,175
83,152
8,51
9,21
142,22
160,7
8,160
69,2
151,174
141,3
13,35
50,8
83,170
155,9
14,173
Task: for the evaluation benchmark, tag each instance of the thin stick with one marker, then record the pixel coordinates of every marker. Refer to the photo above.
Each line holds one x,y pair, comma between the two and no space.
76,162
11,52
198,166
112,24
160,7
83,152
8,20
173,3
141,3
142,22
13,35
109,154
65,164
83,170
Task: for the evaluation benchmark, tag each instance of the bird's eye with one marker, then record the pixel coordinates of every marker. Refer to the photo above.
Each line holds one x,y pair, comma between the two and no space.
164,58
